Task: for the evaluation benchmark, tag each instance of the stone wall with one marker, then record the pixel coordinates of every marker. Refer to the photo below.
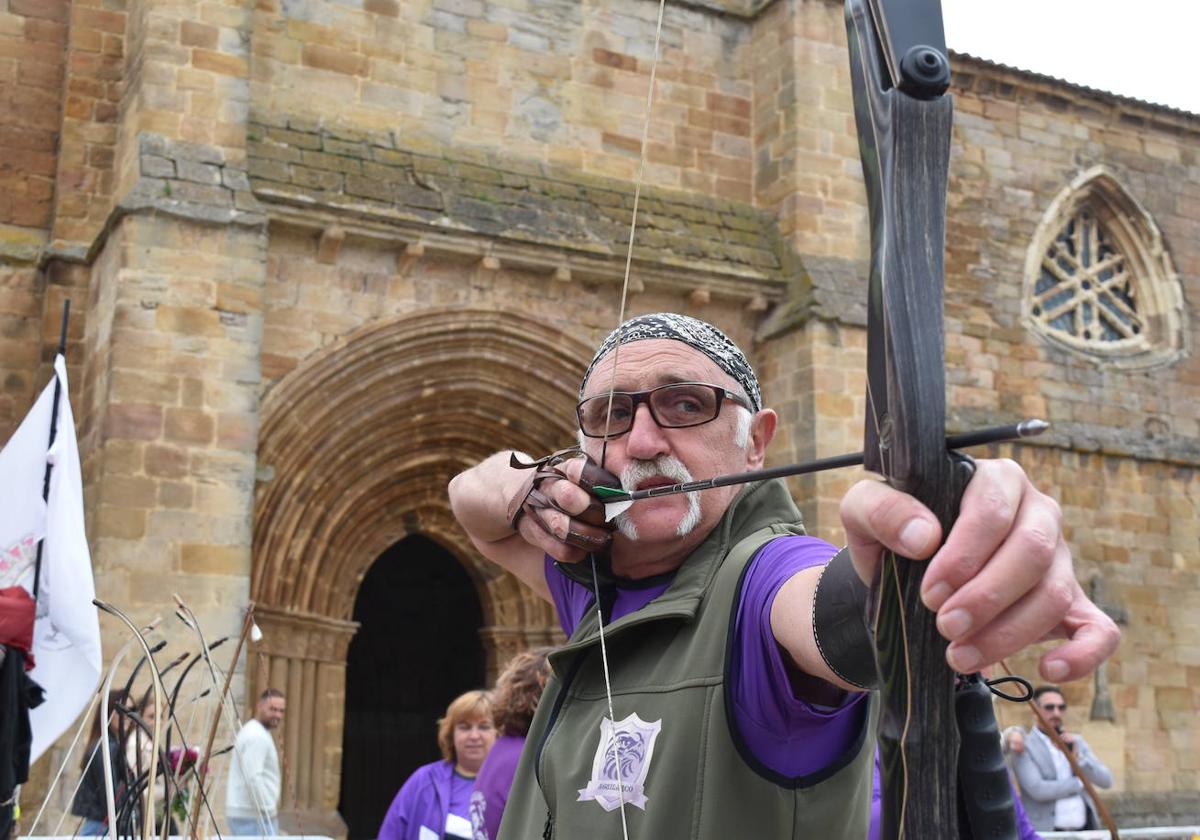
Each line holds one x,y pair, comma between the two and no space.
261,209
1122,455
33,34
552,80
32,39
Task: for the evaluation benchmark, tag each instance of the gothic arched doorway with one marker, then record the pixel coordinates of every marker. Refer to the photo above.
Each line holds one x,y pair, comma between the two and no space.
416,649
356,447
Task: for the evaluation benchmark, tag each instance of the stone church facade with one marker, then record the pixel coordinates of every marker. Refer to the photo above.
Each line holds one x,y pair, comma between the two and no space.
324,254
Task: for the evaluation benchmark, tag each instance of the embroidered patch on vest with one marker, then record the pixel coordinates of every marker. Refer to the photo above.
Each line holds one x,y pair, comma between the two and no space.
621,763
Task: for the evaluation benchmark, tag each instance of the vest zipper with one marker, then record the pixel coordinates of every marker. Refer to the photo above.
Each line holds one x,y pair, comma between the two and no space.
572,672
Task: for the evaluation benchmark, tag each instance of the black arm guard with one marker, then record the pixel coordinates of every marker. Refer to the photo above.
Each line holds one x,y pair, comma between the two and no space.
839,623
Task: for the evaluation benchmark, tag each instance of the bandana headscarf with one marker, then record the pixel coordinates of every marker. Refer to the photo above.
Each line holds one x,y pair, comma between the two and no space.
691,331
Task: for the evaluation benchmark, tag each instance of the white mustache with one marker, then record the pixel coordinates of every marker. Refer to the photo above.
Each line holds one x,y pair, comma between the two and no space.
667,466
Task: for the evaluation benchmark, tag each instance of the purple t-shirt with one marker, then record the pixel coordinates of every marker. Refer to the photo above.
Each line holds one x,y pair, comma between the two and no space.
493,784
460,797
788,735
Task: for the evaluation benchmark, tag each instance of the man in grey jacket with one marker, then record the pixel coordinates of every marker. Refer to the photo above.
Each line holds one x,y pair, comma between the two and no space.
1053,797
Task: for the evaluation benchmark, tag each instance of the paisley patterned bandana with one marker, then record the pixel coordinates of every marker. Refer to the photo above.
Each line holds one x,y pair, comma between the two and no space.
693,332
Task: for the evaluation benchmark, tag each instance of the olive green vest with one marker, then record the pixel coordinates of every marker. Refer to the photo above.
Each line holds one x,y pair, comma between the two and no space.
686,775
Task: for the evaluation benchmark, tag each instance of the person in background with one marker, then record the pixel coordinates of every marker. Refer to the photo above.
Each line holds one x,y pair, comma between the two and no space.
434,802
139,745
516,699
90,800
252,793
1053,796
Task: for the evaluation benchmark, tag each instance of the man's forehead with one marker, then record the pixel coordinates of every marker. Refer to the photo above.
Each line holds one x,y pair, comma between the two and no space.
653,362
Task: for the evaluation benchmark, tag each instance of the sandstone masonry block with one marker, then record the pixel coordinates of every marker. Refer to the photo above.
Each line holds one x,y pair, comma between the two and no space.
134,421
188,426
213,559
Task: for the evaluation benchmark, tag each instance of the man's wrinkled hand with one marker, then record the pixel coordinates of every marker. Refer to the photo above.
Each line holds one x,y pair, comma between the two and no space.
558,514
1004,578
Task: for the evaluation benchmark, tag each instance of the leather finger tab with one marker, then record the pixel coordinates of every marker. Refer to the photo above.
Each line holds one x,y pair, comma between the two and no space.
586,541
516,505
594,475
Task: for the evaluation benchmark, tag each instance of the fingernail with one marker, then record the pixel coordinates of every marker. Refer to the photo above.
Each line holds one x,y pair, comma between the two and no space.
954,624
936,595
915,535
1055,670
964,659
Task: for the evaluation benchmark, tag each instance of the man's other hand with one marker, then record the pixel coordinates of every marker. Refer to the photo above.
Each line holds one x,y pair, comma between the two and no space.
1004,578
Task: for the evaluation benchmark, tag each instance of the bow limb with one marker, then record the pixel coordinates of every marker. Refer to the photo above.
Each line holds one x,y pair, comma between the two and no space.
900,73
247,626
148,817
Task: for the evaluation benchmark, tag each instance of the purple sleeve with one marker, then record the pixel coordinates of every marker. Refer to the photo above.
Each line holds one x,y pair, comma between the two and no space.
789,735
1024,826
396,821
570,599
492,786
417,803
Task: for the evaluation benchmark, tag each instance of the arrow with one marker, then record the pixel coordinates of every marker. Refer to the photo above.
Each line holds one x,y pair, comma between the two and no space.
995,434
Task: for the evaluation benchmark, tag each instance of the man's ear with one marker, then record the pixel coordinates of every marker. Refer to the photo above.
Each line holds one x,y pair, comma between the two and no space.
762,432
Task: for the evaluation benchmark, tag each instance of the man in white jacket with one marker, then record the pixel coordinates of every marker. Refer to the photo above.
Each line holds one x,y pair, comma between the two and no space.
252,795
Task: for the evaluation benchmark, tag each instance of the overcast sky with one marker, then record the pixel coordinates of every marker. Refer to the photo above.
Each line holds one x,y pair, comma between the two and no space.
1147,49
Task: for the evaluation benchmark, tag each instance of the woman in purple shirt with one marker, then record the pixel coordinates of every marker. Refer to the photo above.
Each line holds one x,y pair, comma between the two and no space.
515,700
434,801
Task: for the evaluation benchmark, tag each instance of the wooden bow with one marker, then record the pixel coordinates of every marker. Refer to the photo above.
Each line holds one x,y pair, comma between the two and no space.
900,74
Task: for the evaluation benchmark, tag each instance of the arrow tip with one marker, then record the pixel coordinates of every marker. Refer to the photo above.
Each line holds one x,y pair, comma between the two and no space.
1032,427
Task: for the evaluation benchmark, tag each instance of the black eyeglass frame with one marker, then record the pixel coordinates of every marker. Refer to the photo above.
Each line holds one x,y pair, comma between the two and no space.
1050,707
639,397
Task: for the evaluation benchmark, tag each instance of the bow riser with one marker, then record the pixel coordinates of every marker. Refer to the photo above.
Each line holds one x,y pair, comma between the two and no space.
905,422
904,134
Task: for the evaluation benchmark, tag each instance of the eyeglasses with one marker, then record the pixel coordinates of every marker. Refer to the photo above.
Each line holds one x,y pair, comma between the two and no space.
1054,707
674,406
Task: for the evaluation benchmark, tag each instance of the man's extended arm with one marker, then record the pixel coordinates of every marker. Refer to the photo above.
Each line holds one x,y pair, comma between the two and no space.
1095,769
1034,786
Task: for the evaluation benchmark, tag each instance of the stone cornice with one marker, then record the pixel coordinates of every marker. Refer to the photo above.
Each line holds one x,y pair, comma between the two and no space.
494,207
303,635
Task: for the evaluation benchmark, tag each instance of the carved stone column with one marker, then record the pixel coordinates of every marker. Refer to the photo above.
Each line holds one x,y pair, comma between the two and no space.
304,656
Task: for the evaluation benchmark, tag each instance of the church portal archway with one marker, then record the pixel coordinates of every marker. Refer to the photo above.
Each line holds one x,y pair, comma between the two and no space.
356,447
398,681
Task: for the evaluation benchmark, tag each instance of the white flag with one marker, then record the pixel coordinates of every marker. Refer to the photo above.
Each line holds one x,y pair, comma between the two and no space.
66,634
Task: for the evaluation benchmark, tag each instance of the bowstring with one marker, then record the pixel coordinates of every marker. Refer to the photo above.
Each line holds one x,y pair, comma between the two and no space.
612,390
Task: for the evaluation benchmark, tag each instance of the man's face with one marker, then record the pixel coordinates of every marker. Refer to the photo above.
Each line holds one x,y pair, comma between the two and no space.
269,712
647,453
1054,709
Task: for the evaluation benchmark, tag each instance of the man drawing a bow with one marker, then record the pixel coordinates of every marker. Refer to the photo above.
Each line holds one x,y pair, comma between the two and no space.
722,687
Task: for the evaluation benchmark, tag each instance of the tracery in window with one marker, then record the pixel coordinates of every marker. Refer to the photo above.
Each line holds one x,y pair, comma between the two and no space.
1098,280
